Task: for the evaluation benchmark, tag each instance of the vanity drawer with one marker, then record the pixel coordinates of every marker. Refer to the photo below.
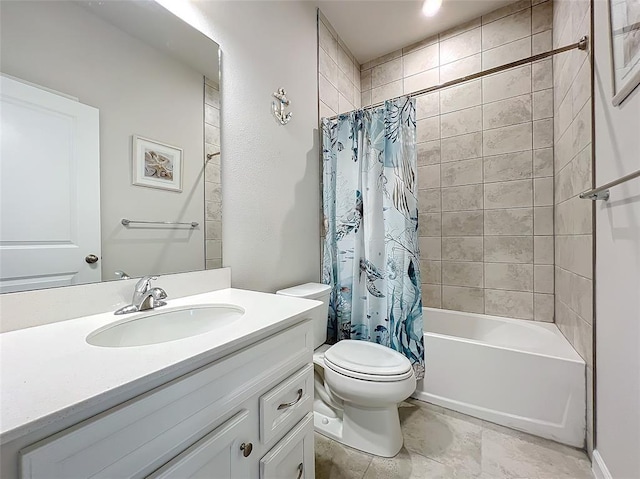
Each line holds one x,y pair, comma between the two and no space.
293,456
286,404
137,437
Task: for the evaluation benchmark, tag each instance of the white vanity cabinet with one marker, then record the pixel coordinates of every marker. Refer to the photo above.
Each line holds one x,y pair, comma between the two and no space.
247,415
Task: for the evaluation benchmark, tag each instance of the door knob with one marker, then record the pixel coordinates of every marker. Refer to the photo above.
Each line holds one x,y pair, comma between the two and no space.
246,449
91,258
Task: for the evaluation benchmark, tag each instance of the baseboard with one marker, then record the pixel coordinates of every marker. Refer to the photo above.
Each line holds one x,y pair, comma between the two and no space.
599,468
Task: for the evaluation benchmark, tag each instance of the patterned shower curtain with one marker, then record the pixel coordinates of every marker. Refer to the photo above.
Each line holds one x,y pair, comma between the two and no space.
370,255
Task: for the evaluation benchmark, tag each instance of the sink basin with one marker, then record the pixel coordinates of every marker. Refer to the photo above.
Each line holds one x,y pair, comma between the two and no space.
161,326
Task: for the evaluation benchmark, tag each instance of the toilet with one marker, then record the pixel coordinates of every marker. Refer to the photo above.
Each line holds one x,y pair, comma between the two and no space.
358,385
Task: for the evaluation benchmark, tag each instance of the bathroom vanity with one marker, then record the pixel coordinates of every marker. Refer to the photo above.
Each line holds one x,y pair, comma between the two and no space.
235,401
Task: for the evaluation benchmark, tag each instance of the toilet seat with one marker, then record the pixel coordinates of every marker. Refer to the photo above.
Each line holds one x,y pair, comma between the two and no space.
367,361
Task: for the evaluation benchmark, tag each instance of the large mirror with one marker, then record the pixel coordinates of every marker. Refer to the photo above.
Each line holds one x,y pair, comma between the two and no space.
110,130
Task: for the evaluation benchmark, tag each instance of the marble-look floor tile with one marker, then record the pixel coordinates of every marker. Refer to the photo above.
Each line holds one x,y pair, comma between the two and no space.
408,465
452,441
335,461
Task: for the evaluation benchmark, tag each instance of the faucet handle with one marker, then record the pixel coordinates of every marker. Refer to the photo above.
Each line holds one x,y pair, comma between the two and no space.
142,286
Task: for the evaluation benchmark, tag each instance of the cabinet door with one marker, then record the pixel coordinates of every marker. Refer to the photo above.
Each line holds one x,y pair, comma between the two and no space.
293,456
217,455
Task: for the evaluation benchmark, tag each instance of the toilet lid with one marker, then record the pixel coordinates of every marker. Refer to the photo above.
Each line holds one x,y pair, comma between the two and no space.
365,358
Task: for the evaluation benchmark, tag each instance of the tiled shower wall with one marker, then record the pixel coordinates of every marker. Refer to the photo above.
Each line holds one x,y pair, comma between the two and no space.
212,185
338,72
485,156
573,174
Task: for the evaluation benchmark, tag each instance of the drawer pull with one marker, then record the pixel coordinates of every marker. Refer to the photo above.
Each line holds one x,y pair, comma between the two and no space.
292,403
246,449
300,470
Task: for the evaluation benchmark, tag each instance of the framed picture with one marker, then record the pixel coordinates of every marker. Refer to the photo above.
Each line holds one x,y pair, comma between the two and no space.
156,165
624,19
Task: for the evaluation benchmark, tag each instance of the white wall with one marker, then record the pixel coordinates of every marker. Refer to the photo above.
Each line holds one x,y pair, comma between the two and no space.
138,90
617,273
270,173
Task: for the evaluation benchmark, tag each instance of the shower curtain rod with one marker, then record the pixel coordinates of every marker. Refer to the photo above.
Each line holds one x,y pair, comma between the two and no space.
580,45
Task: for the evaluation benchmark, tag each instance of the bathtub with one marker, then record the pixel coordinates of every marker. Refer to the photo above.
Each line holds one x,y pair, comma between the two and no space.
521,374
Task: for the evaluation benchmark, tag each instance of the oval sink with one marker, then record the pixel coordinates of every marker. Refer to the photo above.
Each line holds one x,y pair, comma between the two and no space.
163,326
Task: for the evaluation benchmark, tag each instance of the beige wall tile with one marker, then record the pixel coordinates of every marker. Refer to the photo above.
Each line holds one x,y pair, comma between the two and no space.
386,73
429,176
422,80
582,128
365,80
327,41
508,222
543,220
460,46
467,248
543,133
462,274
466,172
432,295
542,17
574,253
543,249
344,105
508,194
543,307
510,166
460,97
428,152
431,271
543,278
460,198
506,10
542,75
461,122
460,68
470,300
507,139
345,63
541,42
430,224
430,248
458,29
428,129
365,98
421,60
543,162
420,45
345,87
543,104
429,200
383,59
385,92
461,147
463,223
509,249
507,53
506,30
428,105
507,84
507,112
328,93
543,191
509,276
514,304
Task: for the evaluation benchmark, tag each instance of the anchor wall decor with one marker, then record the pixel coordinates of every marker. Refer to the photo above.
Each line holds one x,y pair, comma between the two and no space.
278,107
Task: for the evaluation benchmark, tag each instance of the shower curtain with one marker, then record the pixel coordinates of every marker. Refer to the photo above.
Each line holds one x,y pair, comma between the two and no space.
370,255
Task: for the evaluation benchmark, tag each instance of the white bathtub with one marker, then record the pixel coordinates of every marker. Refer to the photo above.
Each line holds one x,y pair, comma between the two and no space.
520,374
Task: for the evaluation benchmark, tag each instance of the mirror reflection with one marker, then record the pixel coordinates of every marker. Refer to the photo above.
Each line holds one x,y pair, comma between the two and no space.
110,160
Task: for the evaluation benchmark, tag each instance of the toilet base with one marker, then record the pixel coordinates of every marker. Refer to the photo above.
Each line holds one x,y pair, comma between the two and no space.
372,430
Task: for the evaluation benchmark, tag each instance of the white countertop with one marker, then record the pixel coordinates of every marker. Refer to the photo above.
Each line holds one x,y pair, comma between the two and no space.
50,372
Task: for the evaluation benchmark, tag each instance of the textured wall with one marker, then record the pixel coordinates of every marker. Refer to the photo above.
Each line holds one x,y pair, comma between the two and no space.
485,154
338,72
573,174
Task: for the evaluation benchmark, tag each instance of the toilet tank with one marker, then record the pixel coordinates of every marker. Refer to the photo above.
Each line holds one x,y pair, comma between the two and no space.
319,292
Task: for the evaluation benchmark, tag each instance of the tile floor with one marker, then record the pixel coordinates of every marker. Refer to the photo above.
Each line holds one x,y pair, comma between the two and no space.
443,444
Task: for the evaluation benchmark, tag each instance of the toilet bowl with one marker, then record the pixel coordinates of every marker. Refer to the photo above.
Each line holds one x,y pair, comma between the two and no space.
358,385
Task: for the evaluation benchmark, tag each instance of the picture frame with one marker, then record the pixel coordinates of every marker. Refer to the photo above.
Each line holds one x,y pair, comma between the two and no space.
624,26
156,164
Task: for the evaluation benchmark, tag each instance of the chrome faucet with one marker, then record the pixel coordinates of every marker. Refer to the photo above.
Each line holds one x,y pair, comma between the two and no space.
144,297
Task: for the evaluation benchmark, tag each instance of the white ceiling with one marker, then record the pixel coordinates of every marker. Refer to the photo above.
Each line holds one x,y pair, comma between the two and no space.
372,28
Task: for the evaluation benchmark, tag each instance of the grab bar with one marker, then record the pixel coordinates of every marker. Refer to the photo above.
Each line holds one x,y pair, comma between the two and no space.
126,222
602,193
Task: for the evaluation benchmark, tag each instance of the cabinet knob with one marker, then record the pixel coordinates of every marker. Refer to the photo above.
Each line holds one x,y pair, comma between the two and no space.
300,470
246,448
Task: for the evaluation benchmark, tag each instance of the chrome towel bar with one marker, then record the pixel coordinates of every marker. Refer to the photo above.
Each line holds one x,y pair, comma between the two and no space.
602,192
126,222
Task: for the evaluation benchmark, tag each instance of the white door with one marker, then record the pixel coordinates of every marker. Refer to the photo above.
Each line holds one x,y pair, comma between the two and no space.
49,189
